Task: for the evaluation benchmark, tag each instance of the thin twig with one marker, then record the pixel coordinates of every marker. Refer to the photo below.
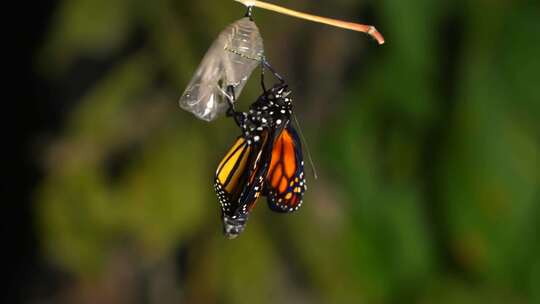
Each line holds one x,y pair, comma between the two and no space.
368,29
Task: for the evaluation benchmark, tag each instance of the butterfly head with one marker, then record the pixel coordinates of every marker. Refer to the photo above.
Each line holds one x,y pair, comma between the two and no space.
233,226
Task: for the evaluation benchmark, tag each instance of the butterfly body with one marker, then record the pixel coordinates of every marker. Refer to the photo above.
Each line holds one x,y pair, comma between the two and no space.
265,159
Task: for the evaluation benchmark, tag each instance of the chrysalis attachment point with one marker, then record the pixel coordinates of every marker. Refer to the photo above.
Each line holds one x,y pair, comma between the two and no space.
229,61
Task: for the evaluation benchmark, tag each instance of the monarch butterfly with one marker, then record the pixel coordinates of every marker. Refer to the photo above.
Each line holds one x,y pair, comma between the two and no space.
265,159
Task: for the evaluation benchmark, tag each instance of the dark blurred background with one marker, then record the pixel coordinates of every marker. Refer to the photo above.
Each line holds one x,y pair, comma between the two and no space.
427,150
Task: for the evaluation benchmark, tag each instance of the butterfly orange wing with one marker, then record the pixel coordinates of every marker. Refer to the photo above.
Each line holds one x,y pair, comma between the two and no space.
285,182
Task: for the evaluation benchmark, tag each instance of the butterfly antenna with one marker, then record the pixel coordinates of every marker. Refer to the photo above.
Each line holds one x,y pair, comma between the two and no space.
307,147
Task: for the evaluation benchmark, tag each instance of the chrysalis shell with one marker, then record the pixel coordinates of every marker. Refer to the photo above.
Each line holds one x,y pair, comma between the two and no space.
230,60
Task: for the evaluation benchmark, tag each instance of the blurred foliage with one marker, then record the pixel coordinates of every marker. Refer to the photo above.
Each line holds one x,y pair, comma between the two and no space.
427,147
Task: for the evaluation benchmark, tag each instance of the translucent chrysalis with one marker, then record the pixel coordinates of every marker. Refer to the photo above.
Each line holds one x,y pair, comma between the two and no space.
229,61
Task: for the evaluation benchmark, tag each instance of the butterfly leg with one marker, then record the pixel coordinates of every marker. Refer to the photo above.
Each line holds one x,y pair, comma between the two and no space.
231,100
231,111
267,65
